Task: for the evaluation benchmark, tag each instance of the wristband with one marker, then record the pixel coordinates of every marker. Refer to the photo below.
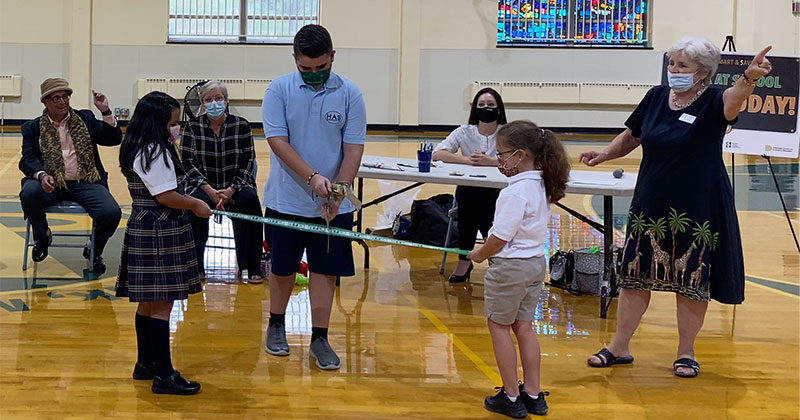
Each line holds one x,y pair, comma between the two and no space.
310,177
748,81
106,112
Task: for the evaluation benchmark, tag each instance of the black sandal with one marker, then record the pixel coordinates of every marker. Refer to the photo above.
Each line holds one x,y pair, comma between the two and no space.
608,359
686,363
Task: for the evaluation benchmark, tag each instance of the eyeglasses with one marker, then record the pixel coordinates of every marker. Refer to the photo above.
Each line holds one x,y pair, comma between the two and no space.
218,98
500,154
60,98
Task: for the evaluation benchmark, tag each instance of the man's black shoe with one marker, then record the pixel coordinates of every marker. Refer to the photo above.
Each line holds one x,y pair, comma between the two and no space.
99,266
40,247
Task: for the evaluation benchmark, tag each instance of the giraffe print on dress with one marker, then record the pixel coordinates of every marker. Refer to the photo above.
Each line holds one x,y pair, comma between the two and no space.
680,264
659,257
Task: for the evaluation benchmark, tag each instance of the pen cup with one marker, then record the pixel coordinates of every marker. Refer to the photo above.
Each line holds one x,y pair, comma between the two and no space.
424,160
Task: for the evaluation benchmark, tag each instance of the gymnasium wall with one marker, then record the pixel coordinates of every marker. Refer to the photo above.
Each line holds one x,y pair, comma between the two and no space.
413,59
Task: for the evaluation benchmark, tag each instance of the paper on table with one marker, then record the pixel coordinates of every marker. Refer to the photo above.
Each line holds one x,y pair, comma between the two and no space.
593,182
382,165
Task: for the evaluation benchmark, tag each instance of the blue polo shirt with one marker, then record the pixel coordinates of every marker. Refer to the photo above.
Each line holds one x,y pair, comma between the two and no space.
317,123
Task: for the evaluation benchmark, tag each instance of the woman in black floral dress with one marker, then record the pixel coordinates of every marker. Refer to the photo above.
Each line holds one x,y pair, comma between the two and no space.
683,234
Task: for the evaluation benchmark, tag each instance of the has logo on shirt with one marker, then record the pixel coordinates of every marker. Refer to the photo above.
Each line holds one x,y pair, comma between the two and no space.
333,117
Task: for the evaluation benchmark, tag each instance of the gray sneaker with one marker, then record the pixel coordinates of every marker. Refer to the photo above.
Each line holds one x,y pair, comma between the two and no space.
321,350
276,340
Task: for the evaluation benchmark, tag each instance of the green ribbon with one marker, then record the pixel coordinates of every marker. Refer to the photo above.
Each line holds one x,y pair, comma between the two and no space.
333,231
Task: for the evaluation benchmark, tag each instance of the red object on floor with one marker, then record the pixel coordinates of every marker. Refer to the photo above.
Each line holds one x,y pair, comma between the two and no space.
303,268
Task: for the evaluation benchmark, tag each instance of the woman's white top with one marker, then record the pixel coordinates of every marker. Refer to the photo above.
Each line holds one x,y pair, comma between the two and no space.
469,140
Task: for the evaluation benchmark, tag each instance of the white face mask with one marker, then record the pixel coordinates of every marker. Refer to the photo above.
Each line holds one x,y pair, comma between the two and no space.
680,82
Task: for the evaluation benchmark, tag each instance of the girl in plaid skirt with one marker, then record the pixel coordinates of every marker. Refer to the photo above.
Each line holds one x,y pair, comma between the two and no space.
158,264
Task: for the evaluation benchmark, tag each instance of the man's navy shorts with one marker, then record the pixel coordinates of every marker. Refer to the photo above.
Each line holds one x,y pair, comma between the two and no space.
286,246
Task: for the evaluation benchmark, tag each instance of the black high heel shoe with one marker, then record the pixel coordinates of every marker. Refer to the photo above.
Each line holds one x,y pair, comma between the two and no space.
460,279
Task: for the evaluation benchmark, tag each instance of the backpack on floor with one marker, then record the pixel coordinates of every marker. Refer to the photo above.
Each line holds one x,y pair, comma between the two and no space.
429,221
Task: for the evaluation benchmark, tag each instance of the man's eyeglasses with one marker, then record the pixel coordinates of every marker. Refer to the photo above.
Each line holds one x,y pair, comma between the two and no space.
60,98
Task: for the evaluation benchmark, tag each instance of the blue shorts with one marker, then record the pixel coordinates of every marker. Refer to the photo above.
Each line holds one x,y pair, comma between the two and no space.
286,246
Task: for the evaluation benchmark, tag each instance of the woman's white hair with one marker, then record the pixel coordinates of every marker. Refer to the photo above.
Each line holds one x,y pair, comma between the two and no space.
701,51
210,85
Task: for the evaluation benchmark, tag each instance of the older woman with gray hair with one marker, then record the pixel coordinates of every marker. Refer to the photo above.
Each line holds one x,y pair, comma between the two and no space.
218,155
683,233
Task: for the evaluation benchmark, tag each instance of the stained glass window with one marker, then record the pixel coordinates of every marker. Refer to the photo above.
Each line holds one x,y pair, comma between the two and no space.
573,22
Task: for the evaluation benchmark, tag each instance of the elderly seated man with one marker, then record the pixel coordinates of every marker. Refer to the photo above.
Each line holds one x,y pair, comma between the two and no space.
60,162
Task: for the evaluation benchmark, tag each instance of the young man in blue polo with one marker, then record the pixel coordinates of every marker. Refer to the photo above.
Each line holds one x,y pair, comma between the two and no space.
315,123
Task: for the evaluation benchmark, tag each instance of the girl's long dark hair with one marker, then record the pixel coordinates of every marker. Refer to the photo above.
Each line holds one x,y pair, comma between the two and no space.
548,154
501,109
148,127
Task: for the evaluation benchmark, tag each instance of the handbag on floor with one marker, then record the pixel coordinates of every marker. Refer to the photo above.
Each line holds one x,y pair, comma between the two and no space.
562,266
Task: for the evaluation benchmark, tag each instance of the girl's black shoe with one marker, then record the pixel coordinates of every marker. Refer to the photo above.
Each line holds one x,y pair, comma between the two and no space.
141,371
501,404
536,406
174,384
460,279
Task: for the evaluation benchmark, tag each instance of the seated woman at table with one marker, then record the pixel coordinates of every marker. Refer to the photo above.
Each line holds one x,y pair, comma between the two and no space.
476,141
218,154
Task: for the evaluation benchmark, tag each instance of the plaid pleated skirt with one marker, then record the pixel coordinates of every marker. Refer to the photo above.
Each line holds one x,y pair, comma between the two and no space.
159,262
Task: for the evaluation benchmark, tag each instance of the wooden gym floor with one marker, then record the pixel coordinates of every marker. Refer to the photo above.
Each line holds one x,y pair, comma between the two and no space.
411,344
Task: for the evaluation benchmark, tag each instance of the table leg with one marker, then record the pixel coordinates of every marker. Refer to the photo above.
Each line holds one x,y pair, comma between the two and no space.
606,292
360,193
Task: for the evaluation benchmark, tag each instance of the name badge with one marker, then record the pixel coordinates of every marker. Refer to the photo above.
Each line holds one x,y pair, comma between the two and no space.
687,118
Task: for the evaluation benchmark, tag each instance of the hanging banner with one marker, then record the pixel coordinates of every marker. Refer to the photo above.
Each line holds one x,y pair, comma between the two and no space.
768,122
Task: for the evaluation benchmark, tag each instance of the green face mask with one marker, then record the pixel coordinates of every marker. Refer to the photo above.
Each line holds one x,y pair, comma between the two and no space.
315,77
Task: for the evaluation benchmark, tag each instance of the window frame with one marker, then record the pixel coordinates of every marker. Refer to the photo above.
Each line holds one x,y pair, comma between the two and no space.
242,38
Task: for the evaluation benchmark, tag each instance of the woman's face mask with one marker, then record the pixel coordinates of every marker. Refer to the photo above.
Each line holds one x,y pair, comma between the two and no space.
215,109
680,82
174,133
487,114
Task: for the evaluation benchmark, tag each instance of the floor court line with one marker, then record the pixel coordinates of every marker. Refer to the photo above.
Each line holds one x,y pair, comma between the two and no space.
440,325
780,292
101,284
9,164
746,274
471,355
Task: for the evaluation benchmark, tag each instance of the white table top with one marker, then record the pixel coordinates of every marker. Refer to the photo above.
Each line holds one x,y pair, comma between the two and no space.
581,182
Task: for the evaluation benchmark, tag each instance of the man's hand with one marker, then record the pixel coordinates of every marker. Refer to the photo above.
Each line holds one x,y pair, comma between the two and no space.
321,186
47,182
100,101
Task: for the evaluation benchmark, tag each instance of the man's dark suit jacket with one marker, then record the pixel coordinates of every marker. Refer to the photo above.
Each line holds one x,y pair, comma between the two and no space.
100,132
